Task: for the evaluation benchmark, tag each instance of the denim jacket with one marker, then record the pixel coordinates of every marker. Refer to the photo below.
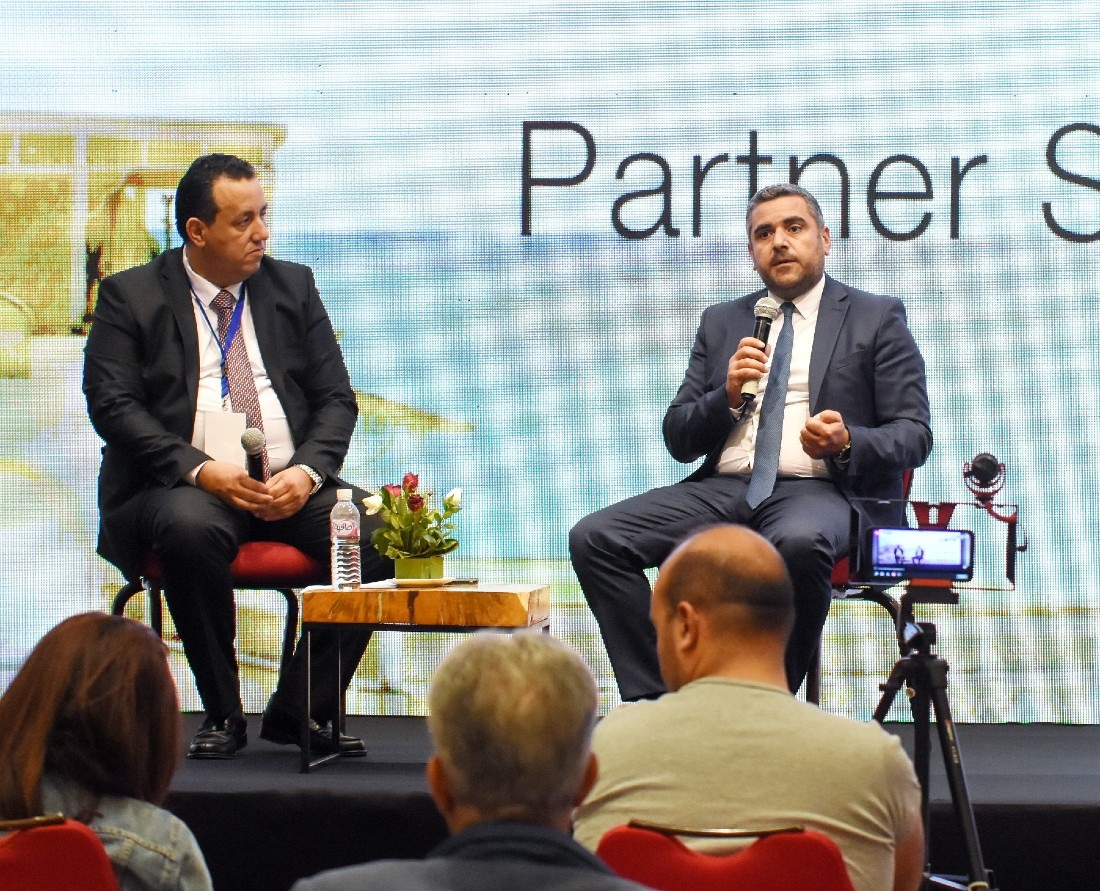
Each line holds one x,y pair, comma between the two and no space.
150,849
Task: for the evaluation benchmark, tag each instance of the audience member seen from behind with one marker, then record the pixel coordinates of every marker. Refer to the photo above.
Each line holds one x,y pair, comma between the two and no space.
92,730
730,746
511,722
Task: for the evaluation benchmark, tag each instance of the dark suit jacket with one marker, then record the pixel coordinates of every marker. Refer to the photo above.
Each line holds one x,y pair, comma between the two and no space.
496,856
141,377
864,364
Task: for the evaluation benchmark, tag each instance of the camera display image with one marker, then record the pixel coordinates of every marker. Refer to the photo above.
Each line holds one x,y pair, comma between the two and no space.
922,553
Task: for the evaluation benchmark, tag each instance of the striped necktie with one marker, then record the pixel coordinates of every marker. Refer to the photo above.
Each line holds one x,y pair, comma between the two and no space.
237,369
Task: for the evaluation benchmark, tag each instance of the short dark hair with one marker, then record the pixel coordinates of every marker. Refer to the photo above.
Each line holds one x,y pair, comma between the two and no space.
94,703
779,190
195,192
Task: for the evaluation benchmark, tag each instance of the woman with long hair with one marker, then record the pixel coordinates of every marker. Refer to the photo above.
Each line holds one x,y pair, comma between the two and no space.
91,728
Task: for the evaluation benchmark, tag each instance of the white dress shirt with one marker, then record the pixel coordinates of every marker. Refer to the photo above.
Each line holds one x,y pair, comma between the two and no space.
280,444
739,451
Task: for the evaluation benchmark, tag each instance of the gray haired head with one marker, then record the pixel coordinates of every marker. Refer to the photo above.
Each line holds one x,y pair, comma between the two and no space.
779,190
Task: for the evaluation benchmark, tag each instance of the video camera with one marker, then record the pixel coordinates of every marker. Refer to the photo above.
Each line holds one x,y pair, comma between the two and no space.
929,554
891,555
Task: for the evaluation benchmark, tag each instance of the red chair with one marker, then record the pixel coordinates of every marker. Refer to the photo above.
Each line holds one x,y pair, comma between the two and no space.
53,854
843,590
789,859
259,565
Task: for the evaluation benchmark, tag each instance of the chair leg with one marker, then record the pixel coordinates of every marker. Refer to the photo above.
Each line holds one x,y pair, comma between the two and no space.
156,610
128,591
125,593
813,678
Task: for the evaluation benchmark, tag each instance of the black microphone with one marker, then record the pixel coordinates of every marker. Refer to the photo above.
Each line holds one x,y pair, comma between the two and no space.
253,441
767,310
984,469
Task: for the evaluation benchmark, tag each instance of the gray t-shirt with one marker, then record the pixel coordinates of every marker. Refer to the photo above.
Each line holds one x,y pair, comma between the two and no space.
724,753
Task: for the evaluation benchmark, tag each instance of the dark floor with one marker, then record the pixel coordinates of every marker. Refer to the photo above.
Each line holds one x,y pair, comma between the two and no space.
1035,791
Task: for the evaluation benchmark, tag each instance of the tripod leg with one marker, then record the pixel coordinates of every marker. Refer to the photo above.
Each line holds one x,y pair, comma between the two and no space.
952,760
890,689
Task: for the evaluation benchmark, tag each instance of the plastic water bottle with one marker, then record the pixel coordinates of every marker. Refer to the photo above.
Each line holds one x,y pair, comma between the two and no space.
344,526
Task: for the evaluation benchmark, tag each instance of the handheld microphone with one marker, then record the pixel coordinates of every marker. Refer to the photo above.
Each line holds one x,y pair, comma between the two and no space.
767,309
253,442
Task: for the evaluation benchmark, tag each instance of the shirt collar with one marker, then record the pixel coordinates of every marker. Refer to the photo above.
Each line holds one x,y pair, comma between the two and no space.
807,304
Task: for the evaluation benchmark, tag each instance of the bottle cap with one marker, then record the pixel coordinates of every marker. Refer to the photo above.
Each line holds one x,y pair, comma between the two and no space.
343,494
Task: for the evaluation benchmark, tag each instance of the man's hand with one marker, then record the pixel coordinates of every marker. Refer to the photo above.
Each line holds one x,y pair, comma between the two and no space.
747,364
289,490
232,484
824,435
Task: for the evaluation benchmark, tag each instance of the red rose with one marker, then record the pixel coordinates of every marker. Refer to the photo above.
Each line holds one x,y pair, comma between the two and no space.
410,482
395,491
415,503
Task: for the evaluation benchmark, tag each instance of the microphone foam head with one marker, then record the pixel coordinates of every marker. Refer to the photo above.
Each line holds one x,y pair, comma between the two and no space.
253,441
768,308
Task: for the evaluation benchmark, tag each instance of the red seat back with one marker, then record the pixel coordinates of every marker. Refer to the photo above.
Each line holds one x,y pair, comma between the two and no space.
62,856
785,861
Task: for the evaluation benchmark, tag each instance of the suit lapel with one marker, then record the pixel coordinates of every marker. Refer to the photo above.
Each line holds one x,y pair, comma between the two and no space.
177,289
261,303
830,318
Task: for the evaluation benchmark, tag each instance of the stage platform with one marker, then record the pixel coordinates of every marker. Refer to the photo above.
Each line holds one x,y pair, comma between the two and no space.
262,825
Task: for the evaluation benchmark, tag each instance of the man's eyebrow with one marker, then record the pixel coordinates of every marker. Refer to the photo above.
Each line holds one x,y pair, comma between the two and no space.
786,221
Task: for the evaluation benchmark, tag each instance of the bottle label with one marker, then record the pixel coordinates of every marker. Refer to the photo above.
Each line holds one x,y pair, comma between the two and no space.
345,529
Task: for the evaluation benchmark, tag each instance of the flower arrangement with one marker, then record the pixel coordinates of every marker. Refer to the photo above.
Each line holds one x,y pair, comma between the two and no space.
410,526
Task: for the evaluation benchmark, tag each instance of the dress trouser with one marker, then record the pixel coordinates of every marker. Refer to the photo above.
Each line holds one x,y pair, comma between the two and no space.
806,519
196,536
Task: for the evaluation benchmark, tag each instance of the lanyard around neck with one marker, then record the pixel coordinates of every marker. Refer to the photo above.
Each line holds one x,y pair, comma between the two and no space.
230,333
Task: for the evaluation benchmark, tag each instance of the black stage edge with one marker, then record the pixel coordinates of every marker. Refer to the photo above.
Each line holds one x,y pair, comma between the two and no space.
263,825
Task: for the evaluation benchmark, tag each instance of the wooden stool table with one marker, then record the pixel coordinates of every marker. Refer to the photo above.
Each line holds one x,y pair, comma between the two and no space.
412,606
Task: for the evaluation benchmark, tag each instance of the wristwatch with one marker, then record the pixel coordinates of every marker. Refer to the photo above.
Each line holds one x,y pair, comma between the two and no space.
318,480
844,455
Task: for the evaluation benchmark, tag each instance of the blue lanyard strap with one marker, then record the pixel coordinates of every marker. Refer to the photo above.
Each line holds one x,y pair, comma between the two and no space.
231,332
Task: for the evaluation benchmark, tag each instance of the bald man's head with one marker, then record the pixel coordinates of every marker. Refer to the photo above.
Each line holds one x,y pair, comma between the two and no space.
735,576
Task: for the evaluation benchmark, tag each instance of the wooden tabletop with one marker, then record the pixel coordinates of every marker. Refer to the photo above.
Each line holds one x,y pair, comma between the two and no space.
478,605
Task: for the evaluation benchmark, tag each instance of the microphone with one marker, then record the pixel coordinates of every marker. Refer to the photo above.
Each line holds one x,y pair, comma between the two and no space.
767,309
253,442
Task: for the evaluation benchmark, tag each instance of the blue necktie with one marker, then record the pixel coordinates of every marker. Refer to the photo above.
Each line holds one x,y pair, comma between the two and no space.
769,436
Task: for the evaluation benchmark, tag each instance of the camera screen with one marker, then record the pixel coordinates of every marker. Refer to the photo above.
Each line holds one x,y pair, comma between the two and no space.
922,553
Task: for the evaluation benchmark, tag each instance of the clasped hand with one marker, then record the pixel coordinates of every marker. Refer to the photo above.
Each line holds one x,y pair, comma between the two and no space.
824,435
280,497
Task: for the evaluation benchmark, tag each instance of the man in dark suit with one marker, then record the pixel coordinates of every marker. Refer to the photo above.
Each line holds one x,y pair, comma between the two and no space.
854,417
157,380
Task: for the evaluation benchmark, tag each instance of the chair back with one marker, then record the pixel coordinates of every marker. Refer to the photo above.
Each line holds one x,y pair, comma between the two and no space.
786,860
53,854
842,568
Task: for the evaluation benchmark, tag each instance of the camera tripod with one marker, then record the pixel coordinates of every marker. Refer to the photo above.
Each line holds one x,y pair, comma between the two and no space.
924,675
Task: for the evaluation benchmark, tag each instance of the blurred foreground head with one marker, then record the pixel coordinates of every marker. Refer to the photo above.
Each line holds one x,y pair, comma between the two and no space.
511,718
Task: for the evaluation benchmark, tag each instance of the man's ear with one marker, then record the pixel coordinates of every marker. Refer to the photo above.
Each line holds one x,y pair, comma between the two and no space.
440,785
686,624
591,774
196,231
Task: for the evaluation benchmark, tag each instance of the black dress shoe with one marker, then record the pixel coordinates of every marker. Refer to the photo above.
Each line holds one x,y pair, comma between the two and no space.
285,732
219,739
